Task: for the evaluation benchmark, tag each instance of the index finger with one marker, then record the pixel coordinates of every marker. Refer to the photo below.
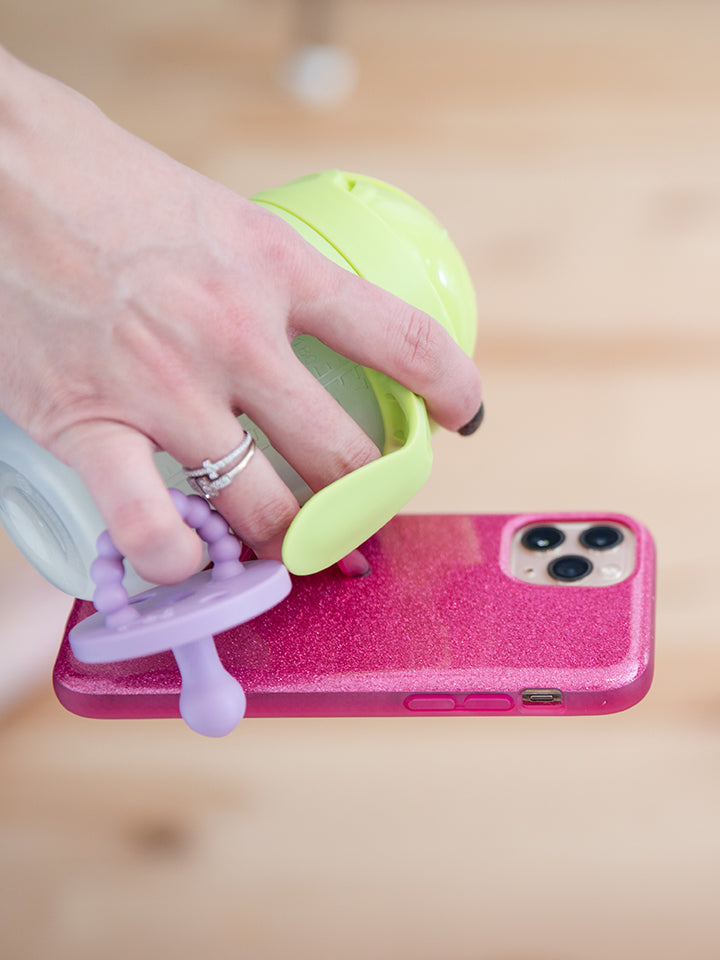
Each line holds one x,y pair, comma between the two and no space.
379,330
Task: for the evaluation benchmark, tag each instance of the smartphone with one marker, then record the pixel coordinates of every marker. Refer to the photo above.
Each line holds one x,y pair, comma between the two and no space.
460,615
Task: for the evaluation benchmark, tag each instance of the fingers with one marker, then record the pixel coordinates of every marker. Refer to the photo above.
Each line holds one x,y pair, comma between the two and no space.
371,326
116,464
306,425
303,422
256,503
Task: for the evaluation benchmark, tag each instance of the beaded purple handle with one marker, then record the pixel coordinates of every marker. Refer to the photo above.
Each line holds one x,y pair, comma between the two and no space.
183,617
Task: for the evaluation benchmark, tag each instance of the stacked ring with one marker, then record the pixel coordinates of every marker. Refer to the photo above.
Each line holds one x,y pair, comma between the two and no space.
213,476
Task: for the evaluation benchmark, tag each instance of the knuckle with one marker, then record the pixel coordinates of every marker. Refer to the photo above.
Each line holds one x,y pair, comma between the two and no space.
271,519
419,348
139,528
356,451
276,243
160,547
337,459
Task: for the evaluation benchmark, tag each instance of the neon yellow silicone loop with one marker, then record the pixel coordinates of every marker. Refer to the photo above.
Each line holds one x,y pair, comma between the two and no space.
340,517
334,212
388,393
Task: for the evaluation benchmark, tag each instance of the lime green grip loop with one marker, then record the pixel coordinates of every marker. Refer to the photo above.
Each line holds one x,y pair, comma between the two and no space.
340,517
336,213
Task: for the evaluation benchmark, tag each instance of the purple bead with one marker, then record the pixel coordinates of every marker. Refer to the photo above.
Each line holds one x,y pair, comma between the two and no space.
197,512
180,500
110,597
227,548
107,570
106,547
213,529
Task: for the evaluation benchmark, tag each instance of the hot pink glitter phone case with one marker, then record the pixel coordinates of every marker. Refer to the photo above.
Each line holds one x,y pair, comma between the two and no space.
440,626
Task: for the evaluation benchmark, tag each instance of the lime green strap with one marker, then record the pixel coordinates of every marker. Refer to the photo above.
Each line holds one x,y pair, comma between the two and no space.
387,237
340,517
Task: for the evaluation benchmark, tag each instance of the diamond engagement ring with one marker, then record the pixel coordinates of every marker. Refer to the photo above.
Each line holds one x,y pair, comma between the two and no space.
213,476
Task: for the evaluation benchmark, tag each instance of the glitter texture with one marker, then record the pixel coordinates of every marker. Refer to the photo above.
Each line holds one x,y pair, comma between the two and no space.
439,613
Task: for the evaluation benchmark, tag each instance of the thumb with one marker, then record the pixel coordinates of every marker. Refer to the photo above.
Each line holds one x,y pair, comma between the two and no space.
116,464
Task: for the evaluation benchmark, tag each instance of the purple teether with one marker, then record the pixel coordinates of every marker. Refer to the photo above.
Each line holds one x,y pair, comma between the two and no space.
183,617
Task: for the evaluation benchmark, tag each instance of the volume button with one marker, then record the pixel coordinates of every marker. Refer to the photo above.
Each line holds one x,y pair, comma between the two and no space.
488,702
430,702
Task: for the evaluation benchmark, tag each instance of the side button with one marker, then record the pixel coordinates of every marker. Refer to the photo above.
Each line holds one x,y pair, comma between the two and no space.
488,703
430,702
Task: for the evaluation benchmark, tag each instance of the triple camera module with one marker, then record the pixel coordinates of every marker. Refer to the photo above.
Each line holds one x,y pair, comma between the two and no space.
596,554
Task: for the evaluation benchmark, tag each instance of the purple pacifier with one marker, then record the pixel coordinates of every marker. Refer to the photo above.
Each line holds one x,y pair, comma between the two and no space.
183,617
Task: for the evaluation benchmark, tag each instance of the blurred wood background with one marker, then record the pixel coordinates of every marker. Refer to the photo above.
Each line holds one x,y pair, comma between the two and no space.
572,150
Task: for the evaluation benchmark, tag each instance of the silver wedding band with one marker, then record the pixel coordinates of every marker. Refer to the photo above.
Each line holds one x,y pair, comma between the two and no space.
214,475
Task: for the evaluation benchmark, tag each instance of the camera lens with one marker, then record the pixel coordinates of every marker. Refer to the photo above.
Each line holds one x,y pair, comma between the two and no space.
542,538
569,568
601,538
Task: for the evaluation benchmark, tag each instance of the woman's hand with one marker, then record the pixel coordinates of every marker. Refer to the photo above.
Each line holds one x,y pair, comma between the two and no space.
144,307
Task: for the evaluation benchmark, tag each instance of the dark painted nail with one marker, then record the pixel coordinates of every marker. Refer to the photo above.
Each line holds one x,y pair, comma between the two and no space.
473,424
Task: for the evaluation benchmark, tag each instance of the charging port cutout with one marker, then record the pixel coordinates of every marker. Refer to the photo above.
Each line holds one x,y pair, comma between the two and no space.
546,698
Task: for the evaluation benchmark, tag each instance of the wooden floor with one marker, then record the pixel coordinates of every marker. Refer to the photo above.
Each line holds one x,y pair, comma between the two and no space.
572,149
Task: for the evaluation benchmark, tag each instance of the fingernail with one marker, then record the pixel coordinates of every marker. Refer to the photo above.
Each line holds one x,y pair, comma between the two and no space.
472,425
354,565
